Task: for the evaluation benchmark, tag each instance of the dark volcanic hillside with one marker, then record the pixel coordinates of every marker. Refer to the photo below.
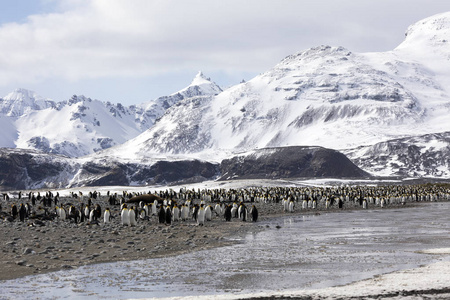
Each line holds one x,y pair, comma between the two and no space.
30,169
290,162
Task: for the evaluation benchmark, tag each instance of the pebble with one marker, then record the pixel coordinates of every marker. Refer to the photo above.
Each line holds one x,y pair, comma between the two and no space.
27,251
21,262
67,267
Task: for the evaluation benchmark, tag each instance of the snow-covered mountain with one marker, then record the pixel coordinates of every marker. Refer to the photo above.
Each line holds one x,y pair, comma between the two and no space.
326,96
388,112
80,125
22,101
199,87
415,156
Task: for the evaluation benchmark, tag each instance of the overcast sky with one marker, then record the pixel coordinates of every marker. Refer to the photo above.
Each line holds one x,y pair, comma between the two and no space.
132,51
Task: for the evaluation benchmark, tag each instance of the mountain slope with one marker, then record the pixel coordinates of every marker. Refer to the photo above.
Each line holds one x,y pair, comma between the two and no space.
80,125
29,169
22,101
388,112
290,162
418,156
325,96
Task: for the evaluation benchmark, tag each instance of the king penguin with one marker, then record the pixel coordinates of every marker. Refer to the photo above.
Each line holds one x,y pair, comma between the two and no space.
201,215
107,216
125,217
132,216
254,213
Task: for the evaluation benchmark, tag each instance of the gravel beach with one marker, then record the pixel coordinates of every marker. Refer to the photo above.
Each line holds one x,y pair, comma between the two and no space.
28,249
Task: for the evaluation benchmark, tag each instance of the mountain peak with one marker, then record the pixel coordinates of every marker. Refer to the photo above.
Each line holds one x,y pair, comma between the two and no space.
432,32
200,86
24,95
200,79
22,101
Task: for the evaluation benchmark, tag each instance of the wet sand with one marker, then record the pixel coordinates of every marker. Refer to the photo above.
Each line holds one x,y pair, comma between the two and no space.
29,250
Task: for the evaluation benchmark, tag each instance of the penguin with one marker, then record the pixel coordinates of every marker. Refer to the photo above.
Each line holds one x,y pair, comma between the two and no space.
92,216
195,210
132,216
143,215
22,212
188,204
218,209
234,211
175,213
146,210
168,215
97,212
364,204
227,213
14,211
153,210
304,204
107,216
62,214
87,212
208,213
254,213
291,206
184,212
125,217
27,207
242,213
284,204
162,215
201,215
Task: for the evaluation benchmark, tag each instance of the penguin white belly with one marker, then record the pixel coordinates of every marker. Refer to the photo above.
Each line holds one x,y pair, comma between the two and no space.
106,216
132,217
125,217
208,214
201,216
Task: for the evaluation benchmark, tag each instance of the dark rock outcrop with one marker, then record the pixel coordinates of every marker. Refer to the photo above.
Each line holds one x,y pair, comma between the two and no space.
185,171
26,169
290,162
22,169
425,155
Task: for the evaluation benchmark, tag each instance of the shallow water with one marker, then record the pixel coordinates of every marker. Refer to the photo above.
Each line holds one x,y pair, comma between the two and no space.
297,252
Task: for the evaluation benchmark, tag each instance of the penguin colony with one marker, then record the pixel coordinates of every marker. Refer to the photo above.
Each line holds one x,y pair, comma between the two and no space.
201,206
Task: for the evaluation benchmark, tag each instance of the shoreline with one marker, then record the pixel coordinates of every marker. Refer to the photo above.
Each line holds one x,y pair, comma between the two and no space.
61,245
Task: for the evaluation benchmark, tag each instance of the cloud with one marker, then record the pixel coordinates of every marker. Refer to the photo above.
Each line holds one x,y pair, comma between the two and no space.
115,38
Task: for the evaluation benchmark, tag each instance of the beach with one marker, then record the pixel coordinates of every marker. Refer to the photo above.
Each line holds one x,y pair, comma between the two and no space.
28,249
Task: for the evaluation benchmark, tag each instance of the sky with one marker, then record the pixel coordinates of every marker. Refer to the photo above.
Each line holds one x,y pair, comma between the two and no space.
133,51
